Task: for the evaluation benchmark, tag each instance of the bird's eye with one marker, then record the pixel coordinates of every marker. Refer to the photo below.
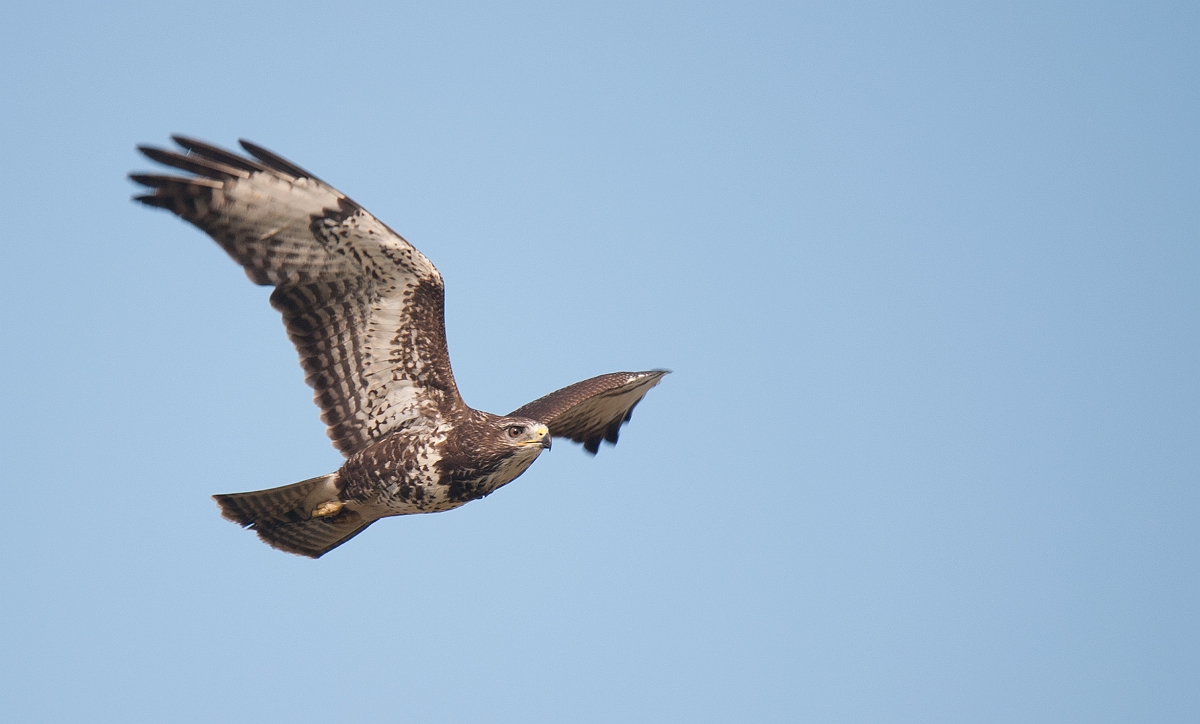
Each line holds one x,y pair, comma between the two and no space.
515,430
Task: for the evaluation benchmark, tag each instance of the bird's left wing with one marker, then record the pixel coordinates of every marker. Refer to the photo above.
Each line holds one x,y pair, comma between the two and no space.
363,307
592,410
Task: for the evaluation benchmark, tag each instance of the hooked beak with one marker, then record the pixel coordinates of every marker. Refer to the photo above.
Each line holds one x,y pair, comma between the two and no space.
542,440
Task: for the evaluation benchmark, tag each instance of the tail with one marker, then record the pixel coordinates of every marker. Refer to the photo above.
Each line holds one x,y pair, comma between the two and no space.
281,516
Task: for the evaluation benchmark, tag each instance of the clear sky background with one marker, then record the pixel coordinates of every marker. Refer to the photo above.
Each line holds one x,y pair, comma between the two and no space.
927,274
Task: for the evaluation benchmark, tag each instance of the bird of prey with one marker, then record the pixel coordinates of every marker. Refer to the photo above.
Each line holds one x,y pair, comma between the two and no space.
364,309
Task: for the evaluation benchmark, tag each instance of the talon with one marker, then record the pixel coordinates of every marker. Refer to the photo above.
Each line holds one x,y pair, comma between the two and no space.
327,509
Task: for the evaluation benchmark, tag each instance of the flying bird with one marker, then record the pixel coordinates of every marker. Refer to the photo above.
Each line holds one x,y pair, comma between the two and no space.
364,310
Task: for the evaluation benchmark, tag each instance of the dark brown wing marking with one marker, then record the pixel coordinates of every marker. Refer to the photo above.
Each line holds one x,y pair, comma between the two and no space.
363,306
592,410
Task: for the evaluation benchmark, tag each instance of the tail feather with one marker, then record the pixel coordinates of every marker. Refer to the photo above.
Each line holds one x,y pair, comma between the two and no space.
315,537
283,503
281,518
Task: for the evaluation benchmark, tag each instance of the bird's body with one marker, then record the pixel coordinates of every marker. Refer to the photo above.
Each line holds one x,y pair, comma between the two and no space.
424,471
364,309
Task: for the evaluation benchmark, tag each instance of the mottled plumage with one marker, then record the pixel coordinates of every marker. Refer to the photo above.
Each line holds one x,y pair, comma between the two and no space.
364,309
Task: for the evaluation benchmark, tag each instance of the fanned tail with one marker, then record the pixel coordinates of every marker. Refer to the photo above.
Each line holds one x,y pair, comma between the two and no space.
281,516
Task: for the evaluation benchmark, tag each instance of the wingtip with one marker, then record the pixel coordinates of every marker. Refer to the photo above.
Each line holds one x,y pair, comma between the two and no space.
188,143
274,160
160,202
654,375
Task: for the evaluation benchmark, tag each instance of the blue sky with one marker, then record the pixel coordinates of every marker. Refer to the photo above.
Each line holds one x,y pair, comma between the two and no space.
926,274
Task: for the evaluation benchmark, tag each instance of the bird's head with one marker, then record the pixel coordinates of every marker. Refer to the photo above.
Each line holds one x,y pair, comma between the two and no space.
493,450
510,446
521,433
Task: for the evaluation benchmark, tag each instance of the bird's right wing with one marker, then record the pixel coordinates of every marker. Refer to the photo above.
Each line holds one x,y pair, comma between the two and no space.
592,410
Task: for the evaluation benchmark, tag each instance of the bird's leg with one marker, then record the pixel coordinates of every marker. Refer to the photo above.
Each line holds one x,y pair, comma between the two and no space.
324,501
327,509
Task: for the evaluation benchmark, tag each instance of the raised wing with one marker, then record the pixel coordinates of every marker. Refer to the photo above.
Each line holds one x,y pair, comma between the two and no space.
592,410
363,306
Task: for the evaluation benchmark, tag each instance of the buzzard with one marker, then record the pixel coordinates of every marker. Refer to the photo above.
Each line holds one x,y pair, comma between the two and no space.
364,309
